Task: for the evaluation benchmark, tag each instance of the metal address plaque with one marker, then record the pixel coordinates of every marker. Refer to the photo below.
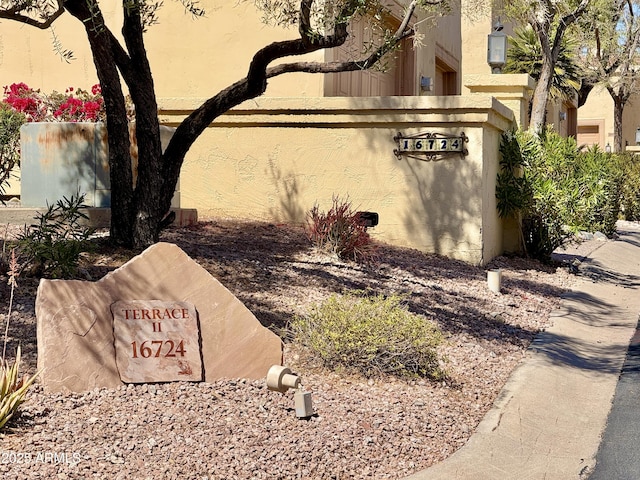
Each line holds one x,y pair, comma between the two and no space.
430,146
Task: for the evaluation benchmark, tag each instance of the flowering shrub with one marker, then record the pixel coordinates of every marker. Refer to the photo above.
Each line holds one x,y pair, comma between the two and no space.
22,99
74,105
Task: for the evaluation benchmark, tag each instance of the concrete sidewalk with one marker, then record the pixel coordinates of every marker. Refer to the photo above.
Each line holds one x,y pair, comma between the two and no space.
548,420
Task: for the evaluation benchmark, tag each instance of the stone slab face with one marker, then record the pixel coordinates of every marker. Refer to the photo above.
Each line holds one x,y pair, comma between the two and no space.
76,345
156,341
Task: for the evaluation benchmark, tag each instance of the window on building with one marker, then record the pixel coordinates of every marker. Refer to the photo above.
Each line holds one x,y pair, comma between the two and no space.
590,132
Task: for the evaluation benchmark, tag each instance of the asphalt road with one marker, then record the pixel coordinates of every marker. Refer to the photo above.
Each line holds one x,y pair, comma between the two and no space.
618,457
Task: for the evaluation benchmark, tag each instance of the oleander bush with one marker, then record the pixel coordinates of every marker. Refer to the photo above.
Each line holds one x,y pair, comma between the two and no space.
554,189
532,199
52,247
599,184
371,335
341,231
630,191
10,123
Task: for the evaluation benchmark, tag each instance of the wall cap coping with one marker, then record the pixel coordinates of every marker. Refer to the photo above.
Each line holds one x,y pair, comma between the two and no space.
499,82
292,111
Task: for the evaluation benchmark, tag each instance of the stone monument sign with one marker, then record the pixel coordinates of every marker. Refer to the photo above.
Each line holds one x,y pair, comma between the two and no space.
77,348
156,341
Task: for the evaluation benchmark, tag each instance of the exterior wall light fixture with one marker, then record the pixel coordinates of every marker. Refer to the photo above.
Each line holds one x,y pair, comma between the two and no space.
426,84
497,48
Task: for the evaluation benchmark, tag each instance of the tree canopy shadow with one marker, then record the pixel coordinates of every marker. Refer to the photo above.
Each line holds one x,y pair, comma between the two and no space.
274,270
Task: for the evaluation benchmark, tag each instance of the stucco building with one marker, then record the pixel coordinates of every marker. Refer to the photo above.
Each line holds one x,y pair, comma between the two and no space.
312,137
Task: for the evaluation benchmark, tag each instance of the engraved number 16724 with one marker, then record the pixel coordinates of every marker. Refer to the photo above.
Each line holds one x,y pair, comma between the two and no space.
154,348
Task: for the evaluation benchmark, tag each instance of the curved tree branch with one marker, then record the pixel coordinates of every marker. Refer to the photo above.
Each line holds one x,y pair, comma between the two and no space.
254,84
44,19
337,67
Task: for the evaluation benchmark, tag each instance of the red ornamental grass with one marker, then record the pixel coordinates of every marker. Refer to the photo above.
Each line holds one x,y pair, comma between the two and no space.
341,231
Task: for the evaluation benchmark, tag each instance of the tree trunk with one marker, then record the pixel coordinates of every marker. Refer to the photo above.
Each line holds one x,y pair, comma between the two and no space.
620,99
148,204
139,213
540,96
121,176
618,109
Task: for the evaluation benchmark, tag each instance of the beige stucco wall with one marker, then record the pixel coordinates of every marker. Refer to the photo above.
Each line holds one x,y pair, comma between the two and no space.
189,57
513,90
273,159
476,24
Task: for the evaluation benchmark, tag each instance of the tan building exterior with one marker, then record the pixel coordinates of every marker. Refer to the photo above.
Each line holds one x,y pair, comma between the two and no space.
309,138
595,121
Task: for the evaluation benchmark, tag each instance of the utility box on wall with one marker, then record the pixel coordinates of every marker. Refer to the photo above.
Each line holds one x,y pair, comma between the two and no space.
59,159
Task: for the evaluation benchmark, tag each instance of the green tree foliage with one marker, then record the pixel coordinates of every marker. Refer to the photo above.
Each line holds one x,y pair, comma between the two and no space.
551,21
610,54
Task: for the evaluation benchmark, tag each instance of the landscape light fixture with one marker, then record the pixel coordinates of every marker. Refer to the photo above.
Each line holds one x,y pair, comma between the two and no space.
607,148
280,379
497,48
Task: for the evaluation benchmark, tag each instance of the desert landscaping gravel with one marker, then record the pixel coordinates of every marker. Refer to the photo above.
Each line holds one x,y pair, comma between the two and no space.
238,429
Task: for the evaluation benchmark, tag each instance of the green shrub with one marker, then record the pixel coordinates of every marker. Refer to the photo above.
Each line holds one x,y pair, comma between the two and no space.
553,189
527,195
341,231
629,166
370,335
10,122
52,248
597,184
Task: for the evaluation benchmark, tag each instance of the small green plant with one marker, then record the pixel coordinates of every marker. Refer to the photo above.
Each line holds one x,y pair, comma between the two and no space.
10,123
13,389
371,335
341,231
53,246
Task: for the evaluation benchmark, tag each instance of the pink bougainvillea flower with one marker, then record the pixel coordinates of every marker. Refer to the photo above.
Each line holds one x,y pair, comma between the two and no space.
74,105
